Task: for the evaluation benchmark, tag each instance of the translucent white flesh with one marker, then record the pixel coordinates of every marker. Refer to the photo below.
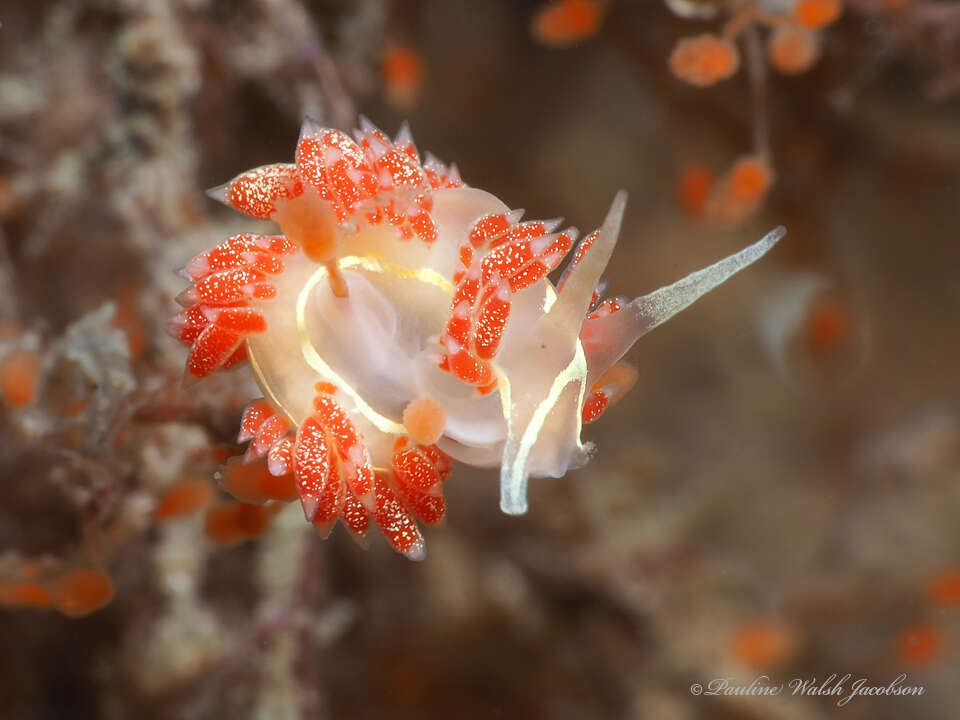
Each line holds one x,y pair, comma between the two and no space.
380,346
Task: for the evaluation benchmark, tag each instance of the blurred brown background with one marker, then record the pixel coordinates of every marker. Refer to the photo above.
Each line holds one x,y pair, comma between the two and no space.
772,498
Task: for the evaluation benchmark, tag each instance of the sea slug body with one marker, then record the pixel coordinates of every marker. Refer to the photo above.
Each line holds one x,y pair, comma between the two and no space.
403,320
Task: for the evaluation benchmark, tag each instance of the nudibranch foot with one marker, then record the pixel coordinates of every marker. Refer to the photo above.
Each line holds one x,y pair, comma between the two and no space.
403,320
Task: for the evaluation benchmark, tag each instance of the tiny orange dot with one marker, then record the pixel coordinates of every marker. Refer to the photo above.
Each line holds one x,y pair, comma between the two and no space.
82,591
325,388
424,419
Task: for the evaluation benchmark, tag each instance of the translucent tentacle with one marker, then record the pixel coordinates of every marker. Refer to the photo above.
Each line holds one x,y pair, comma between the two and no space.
606,339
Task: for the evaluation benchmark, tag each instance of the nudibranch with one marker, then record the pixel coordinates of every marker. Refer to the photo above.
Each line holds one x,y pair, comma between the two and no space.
402,320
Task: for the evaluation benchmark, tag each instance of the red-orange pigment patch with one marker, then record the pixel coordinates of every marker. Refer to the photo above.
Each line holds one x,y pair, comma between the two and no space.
704,60
920,645
763,644
594,406
566,22
944,589
693,189
233,522
82,591
828,326
184,498
815,14
793,50
402,71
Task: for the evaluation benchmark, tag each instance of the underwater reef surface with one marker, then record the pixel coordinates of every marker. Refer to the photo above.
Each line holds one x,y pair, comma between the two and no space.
778,495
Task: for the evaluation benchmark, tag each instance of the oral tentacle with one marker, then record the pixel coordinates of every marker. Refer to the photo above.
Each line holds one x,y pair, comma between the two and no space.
607,338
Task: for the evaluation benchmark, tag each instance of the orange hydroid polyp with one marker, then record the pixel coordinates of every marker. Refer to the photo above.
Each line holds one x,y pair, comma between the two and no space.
694,187
82,591
944,588
793,50
566,22
704,59
749,179
251,482
233,522
814,14
25,594
740,192
19,377
763,644
184,498
402,71
424,419
828,325
920,645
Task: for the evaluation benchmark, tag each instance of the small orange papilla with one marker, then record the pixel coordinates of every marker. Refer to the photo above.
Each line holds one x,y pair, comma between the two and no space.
424,419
